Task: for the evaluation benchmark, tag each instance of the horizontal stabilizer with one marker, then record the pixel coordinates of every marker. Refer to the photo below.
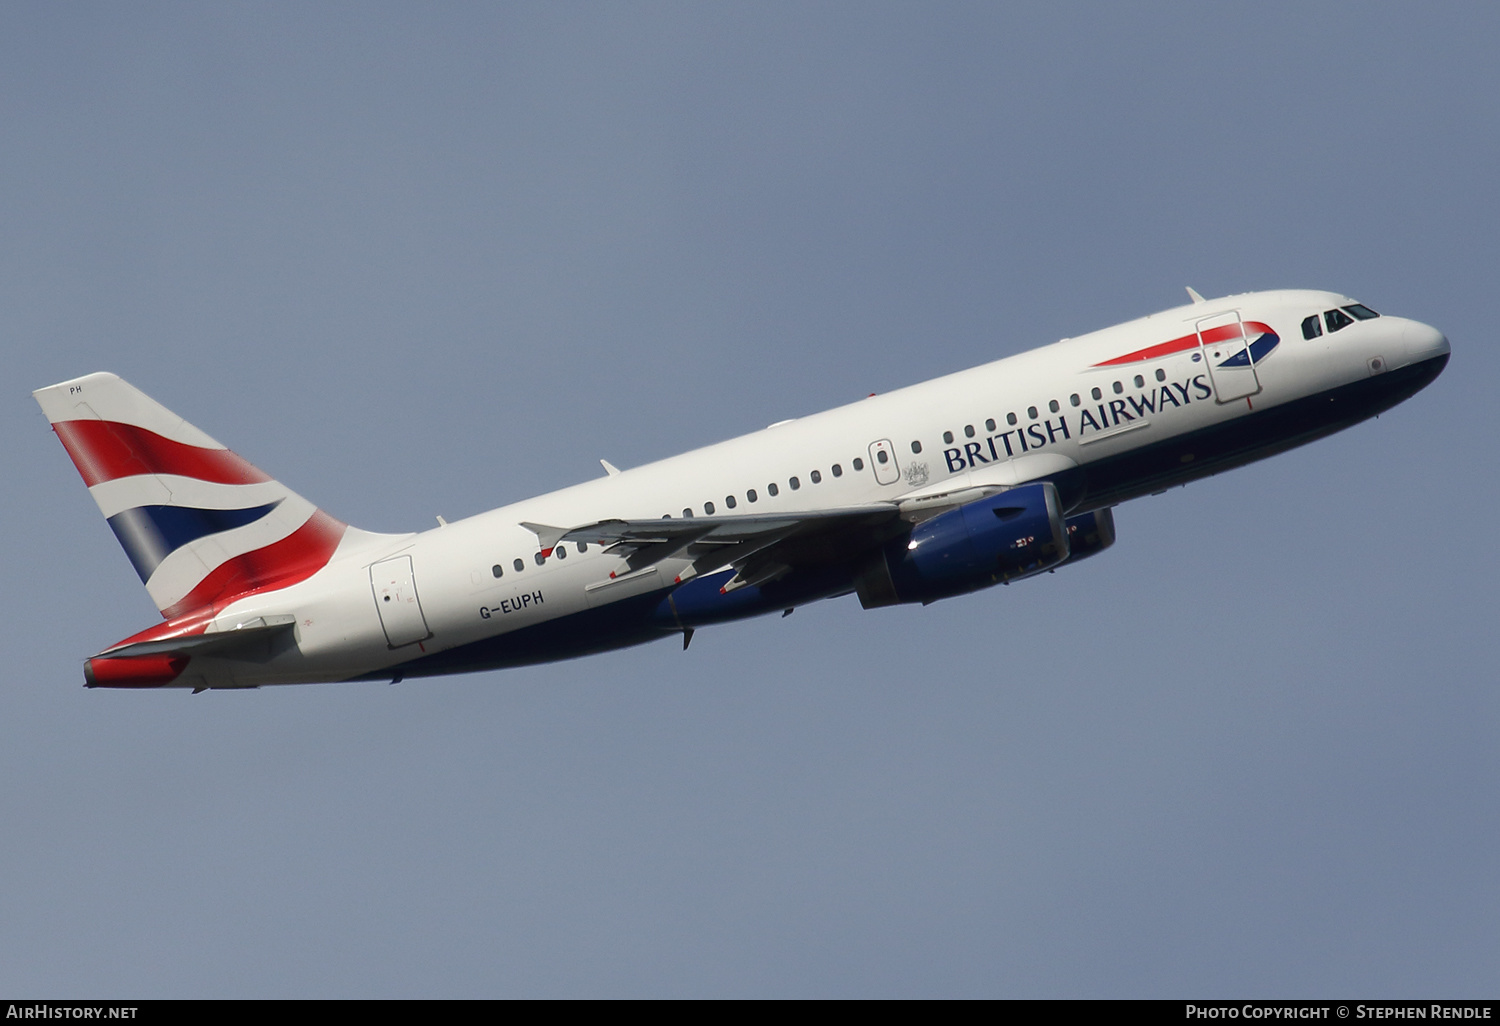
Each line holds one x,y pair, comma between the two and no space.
220,642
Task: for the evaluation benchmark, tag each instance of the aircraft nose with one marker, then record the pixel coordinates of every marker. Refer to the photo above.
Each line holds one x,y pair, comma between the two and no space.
1423,342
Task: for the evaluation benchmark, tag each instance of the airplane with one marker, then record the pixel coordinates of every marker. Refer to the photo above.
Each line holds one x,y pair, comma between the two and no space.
982,477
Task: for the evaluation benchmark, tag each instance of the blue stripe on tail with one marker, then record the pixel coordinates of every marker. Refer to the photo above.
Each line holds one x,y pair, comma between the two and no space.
149,534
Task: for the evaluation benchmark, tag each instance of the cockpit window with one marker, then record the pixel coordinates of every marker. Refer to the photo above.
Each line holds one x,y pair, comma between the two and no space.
1337,319
1311,327
1362,312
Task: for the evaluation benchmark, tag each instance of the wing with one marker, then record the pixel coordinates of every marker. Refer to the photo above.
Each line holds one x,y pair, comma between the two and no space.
759,548
764,548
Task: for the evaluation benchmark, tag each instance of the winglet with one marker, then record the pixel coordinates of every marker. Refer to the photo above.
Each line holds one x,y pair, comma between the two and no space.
546,535
1194,293
610,468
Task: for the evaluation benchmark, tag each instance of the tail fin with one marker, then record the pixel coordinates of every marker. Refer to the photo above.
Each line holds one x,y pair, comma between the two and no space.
201,525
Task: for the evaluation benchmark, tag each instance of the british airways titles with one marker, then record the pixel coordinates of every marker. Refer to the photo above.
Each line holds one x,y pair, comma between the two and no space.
1102,417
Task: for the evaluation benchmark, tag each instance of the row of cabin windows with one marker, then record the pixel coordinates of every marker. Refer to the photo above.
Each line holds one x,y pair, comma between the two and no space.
1336,319
560,551
709,508
773,489
1053,406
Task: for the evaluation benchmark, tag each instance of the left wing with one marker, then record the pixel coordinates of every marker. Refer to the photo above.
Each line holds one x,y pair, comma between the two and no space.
760,548
763,548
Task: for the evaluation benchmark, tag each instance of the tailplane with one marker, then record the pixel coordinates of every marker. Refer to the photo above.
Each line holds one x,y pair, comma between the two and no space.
201,526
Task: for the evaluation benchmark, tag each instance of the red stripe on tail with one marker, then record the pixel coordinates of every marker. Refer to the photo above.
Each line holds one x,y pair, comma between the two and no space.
105,450
279,565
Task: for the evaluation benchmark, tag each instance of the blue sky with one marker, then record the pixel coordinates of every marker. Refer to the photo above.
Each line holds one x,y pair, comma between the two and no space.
418,261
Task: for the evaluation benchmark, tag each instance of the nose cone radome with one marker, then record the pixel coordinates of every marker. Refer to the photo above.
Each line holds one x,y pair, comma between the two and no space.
1423,342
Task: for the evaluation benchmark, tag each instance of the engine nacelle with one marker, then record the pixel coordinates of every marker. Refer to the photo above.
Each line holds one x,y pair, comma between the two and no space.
1015,534
1090,534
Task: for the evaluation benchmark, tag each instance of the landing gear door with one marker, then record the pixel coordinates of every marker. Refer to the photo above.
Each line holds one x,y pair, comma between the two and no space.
395,592
1225,346
883,462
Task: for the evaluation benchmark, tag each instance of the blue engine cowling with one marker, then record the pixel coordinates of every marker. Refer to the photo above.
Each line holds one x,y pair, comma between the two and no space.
1090,534
1015,534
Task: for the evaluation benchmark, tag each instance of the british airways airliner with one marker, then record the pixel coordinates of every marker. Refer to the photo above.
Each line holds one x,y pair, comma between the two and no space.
983,477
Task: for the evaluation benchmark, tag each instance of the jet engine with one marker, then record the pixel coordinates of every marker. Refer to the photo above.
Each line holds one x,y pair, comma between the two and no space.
1015,534
1090,534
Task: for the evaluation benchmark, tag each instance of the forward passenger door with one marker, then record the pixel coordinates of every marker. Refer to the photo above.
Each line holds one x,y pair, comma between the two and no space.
1226,349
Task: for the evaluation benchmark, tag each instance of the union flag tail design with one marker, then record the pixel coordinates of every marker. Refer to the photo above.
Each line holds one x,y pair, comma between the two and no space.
201,526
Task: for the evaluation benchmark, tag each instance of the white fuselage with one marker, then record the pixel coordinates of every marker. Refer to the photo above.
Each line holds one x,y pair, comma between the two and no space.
1063,412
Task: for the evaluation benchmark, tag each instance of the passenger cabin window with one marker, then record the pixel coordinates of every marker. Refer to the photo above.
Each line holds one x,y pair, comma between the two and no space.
1031,412
751,495
1074,399
497,570
838,471
708,509
1140,382
817,477
798,484
1097,394
519,566
1362,312
859,464
1010,418
583,546
730,501
1311,327
947,440
989,425
1337,319
1161,375
1053,406
968,430
540,559
915,447
687,512
562,552
1119,388
772,490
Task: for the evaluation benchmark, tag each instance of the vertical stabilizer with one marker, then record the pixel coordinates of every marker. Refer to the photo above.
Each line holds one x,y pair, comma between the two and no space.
201,526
